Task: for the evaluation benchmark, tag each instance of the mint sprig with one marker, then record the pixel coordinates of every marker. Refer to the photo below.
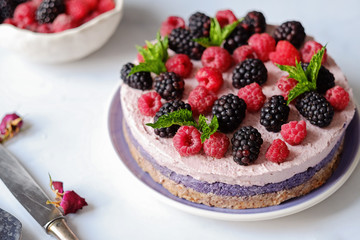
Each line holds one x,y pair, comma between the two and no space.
306,79
183,117
155,56
217,34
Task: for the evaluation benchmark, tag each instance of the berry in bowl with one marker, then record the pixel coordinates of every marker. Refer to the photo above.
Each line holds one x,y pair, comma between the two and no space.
53,31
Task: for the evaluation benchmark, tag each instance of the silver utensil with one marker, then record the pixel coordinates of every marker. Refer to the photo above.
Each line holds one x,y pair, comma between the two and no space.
32,197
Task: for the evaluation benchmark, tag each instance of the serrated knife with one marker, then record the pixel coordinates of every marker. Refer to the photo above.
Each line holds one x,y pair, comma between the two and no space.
32,197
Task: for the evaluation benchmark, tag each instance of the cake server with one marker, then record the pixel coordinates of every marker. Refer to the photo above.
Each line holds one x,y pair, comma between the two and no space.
32,197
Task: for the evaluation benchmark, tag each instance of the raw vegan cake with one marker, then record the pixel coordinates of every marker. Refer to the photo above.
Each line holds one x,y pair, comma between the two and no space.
235,113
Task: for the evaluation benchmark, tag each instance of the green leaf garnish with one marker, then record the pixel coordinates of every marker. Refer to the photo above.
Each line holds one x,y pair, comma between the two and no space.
155,56
183,117
306,79
217,34
205,129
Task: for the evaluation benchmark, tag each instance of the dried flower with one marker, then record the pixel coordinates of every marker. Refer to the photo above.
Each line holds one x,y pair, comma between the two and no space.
69,201
10,125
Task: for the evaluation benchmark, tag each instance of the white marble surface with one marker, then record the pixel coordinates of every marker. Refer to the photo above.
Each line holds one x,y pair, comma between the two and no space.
65,108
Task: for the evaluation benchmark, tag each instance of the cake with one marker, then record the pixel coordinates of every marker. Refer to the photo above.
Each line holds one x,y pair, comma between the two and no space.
289,158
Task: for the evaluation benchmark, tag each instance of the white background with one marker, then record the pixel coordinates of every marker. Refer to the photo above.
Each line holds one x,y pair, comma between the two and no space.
65,108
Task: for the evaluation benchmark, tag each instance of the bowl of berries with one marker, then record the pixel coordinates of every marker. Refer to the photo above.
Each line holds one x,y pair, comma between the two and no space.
55,31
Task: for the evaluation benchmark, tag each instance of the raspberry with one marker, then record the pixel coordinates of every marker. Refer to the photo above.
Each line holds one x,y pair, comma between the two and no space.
179,64
44,28
105,5
277,152
217,145
187,141
253,96
77,9
92,4
216,57
242,53
201,100
294,132
285,84
225,17
63,22
149,103
170,24
310,48
337,97
285,54
263,44
140,58
210,78
25,13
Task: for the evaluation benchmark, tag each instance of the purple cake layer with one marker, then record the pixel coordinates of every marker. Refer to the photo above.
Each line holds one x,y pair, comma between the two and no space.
224,189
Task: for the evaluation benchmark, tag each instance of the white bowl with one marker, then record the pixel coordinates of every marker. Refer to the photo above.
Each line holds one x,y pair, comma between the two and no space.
64,46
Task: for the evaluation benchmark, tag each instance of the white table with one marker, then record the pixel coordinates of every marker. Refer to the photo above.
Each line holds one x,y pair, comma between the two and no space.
65,108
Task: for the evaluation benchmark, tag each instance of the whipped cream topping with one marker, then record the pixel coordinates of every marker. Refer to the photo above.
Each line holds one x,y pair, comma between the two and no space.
315,147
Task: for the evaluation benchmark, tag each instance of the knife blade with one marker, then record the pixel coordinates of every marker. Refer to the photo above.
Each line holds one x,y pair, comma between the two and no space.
32,197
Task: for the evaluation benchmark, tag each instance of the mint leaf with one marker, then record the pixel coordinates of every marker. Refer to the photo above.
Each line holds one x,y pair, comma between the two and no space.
217,34
299,89
154,66
155,56
205,129
306,79
182,117
228,29
205,42
294,72
314,66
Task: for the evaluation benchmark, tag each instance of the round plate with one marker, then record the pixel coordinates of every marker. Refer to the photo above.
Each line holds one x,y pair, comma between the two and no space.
350,159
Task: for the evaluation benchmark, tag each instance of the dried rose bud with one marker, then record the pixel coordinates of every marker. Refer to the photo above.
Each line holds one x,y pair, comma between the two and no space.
72,202
58,186
10,126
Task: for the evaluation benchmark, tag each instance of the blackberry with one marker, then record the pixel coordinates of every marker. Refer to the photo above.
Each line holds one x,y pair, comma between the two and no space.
139,80
181,41
169,85
291,31
230,111
48,10
255,22
325,79
315,108
167,108
246,143
199,24
7,8
274,113
249,71
237,38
